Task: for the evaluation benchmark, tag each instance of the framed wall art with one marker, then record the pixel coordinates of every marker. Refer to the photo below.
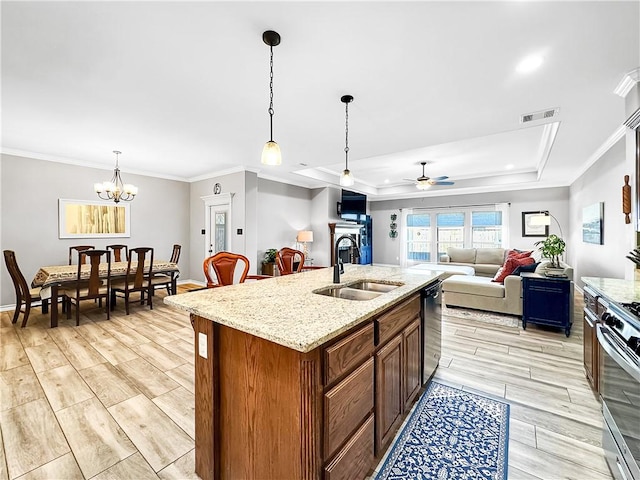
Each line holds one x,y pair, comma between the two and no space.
593,223
530,229
93,219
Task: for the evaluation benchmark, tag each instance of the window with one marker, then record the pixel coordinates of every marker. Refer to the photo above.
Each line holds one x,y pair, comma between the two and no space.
419,237
428,233
486,229
450,231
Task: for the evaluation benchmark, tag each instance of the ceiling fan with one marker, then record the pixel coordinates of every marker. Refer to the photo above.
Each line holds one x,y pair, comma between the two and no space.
423,182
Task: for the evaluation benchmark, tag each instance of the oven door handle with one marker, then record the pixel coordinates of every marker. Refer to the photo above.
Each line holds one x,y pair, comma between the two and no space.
590,318
620,358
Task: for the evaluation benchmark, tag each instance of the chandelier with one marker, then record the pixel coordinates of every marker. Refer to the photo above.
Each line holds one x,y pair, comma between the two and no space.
271,152
346,179
116,190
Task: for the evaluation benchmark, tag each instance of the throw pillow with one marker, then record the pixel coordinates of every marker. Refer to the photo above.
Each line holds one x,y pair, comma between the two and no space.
510,264
519,253
526,268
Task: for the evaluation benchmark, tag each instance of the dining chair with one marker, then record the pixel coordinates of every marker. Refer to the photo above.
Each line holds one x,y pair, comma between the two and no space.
289,260
117,252
79,249
137,278
96,287
25,296
160,280
220,269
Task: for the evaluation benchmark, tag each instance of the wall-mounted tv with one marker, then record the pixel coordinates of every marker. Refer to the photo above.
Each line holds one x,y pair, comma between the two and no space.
353,203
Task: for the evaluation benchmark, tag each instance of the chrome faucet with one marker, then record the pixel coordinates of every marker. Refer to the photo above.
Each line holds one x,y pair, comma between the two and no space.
338,268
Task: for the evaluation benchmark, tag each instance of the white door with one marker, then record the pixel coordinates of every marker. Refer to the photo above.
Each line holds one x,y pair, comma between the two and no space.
217,223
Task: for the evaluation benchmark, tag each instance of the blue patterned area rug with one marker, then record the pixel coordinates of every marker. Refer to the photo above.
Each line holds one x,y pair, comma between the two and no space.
451,435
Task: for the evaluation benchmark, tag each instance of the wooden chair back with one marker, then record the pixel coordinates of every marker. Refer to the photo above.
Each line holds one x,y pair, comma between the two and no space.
223,265
94,283
286,258
175,255
19,282
139,271
117,252
24,295
97,286
79,249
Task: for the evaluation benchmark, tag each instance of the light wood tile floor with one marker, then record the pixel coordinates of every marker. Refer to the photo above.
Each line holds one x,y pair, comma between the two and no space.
114,399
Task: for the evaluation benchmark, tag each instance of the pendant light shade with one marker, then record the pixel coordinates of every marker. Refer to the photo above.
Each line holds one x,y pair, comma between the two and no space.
271,152
346,178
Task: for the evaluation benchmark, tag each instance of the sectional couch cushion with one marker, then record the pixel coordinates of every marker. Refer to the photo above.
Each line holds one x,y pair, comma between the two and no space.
490,255
474,286
463,255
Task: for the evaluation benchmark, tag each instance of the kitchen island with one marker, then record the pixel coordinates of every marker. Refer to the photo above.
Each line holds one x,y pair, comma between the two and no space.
294,384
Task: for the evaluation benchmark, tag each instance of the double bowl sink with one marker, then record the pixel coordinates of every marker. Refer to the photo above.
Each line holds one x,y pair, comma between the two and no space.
359,290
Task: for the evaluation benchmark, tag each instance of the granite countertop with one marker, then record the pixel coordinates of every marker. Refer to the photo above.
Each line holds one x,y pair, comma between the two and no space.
285,310
615,289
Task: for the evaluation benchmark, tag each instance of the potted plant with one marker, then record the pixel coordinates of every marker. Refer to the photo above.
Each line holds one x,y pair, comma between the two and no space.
268,262
552,247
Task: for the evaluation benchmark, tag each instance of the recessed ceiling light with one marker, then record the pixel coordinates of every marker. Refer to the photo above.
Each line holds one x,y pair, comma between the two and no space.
529,64
509,166
386,180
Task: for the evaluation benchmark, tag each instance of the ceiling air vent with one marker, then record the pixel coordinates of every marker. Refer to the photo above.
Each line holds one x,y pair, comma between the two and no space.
541,115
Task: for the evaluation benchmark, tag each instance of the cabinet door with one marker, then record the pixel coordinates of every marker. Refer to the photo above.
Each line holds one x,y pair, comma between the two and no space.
411,362
389,401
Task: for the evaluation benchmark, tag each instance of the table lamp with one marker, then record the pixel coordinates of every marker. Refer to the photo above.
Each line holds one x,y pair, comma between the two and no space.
304,237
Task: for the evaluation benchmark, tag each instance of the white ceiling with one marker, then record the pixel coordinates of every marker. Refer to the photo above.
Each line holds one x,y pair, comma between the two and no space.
182,88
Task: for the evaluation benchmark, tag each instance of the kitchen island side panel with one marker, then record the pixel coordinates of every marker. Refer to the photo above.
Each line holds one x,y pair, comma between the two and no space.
268,401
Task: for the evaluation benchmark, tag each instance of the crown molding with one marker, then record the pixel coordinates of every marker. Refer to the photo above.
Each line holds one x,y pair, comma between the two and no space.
628,82
549,133
82,163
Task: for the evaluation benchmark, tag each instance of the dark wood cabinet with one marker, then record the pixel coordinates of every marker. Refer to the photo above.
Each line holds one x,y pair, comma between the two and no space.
547,301
389,401
398,372
411,363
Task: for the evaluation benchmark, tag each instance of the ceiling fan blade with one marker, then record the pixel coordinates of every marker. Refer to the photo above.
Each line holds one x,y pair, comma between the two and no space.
437,179
442,183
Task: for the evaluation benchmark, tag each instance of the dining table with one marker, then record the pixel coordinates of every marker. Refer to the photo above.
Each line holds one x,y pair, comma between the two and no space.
51,278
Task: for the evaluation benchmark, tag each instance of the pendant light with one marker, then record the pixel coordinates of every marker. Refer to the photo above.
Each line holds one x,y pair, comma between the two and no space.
346,179
271,152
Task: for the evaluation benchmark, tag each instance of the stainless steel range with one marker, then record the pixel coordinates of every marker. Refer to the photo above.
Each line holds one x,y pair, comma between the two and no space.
619,337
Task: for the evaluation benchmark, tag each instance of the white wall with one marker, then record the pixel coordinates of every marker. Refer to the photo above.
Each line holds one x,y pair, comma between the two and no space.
603,183
233,183
282,210
30,190
386,250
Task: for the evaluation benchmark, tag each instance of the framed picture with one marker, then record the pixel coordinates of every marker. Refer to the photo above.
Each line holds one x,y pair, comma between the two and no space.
531,230
593,223
93,219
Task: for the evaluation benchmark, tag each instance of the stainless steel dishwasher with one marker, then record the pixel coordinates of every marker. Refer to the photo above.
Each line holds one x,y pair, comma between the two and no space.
431,329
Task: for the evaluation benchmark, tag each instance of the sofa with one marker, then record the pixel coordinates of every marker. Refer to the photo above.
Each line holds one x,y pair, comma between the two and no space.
483,294
485,261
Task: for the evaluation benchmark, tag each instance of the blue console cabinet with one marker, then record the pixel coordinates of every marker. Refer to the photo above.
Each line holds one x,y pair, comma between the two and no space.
547,301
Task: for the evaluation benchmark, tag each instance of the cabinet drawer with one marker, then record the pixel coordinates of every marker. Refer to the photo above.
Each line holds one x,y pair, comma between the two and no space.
391,323
346,405
356,458
345,354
